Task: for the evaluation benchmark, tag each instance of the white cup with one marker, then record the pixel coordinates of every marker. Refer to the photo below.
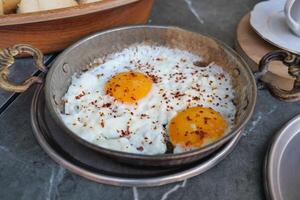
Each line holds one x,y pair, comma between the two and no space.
292,13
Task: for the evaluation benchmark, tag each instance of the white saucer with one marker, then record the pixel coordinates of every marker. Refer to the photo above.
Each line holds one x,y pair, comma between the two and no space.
268,20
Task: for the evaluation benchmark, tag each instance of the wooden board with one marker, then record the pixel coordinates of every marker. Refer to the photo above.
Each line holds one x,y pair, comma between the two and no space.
54,30
252,48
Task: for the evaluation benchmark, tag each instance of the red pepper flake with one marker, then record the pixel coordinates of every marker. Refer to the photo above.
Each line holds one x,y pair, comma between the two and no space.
140,148
206,120
189,118
80,95
222,75
125,132
101,114
154,78
201,134
106,105
178,94
133,74
143,115
196,98
102,123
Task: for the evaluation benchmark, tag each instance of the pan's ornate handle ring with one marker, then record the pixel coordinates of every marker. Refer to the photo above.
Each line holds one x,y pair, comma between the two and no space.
291,61
7,58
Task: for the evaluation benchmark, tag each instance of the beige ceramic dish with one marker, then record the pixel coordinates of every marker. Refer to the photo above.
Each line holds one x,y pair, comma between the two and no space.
83,53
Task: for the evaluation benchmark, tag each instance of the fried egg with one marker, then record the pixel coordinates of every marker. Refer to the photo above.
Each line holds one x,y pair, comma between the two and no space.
143,97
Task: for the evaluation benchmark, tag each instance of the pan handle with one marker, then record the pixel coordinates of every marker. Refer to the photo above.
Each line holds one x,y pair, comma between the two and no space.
7,59
291,61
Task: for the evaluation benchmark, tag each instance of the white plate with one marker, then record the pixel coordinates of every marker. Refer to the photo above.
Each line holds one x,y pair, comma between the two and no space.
282,175
268,20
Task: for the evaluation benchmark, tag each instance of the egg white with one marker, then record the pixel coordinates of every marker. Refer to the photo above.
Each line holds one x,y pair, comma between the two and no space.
178,81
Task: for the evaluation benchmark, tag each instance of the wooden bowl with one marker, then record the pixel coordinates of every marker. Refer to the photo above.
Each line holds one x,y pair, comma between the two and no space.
54,30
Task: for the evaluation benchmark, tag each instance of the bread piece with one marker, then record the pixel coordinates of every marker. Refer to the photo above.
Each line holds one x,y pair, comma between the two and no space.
55,4
88,1
10,6
1,8
39,5
27,6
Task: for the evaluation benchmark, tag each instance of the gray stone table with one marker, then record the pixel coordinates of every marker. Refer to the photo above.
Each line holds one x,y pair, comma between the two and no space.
27,173
21,69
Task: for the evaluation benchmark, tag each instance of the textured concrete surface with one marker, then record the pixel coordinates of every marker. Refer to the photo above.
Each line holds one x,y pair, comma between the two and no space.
27,173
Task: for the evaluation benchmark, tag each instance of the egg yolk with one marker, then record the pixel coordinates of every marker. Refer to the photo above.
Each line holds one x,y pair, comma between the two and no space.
190,127
129,87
